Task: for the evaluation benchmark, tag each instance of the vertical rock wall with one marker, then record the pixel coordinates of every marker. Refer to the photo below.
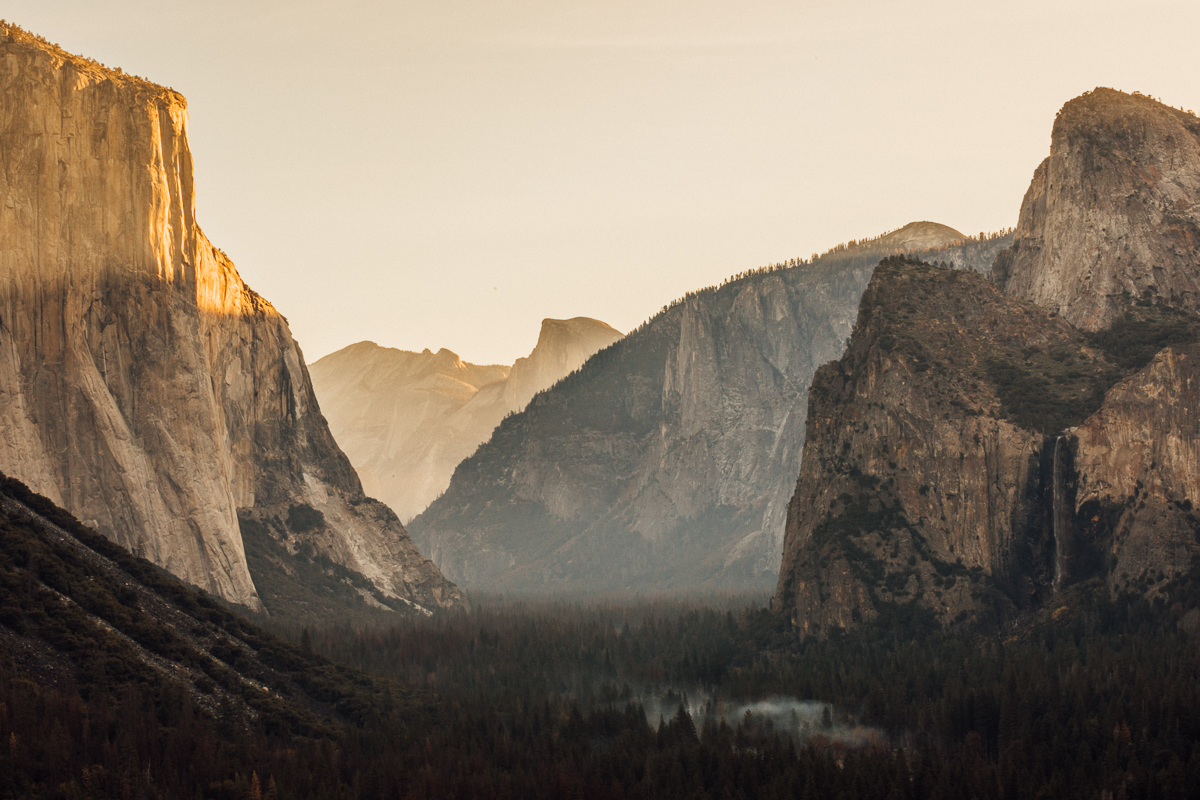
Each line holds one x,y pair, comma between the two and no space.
1138,465
143,385
1112,214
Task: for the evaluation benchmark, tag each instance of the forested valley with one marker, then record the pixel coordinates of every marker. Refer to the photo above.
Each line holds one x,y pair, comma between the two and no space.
627,697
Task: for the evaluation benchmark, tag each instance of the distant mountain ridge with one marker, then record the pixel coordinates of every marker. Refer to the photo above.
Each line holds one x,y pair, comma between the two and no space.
923,235
407,419
666,462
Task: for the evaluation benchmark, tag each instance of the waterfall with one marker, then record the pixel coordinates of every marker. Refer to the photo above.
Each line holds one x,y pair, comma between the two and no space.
1059,519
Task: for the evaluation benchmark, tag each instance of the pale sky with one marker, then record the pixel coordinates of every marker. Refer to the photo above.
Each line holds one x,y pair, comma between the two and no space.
446,173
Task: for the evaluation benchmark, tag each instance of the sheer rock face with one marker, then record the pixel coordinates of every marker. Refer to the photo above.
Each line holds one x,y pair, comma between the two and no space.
407,419
667,462
1113,212
651,466
143,385
1138,465
563,346
914,488
979,433
923,484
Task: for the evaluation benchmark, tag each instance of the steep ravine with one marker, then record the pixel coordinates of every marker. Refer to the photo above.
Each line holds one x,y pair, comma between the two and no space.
143,385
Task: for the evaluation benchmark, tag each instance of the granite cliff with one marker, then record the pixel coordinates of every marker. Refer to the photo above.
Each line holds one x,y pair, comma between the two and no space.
1136,478
407,419
1112,213
922,479
143,385
667,461
980,446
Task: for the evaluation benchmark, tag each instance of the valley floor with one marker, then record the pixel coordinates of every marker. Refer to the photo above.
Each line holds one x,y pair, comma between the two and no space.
117,681
673,698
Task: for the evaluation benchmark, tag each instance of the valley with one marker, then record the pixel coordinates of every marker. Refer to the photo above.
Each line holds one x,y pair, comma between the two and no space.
912,518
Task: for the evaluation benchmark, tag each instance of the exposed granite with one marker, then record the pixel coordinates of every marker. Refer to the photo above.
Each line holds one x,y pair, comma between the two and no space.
916,486
668,460
1112,214
407,419
143,385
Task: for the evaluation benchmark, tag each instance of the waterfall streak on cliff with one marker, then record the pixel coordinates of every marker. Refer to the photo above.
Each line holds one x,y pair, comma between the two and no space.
1058,518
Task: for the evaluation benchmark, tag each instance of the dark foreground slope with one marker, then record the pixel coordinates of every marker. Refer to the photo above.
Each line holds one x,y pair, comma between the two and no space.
667,460
80,612
118,682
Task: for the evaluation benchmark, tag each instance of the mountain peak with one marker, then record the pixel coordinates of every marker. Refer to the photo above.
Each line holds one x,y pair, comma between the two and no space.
1105,105
407,419
563,346
923,235
575,328
1113,214
448,358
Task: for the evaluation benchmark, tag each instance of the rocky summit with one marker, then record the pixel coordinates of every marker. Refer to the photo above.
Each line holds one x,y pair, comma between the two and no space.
143,385
980,447
1112,213
667,461
407,419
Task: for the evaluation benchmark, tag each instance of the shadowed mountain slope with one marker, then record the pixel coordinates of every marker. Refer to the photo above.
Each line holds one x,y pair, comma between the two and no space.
81,613
667,460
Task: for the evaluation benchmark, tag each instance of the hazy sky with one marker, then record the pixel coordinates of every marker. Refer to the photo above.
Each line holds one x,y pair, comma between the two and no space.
446,173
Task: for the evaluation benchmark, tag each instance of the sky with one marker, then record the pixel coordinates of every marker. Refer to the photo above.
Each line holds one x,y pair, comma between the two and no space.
447,173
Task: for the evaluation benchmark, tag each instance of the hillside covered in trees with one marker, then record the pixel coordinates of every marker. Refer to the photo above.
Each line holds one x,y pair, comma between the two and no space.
118,681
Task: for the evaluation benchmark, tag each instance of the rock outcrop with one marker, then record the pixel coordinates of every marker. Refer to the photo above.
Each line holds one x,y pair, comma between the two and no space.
1112,214
967,456
926,478
667,461
143,385
1137,478
563,346
407,419
974,452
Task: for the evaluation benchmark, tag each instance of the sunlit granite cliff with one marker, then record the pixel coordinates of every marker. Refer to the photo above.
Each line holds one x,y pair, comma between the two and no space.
980,447
667,461
407,419
143,385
